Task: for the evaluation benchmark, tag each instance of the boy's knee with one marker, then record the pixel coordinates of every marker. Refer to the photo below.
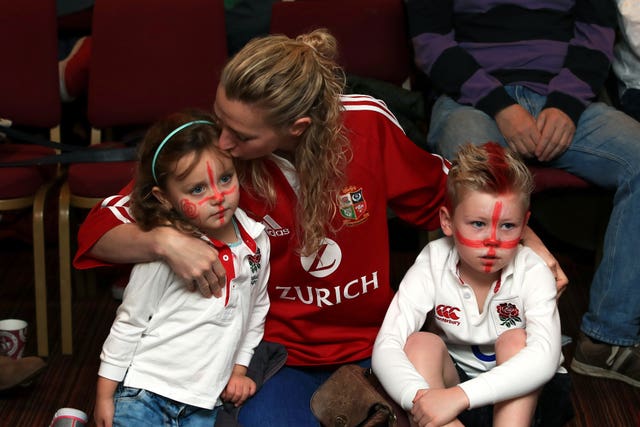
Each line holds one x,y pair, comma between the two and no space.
509,343
418,341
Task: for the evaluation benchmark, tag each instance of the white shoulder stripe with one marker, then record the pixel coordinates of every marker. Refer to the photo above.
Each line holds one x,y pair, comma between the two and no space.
117,200
445,168
359,97
365,104
118,205
119,212
351,99
382,111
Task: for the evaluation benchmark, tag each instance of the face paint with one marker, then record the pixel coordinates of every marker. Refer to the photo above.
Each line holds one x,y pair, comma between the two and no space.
217,196
189,209
492,241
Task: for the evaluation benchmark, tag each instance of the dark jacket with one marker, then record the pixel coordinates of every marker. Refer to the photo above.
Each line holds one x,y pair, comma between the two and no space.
267,359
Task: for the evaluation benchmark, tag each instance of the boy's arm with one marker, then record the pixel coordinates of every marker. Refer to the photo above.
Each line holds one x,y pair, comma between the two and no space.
406,314
439,405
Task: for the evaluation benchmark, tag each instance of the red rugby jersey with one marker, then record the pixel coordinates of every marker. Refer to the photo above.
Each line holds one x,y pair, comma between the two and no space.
327,308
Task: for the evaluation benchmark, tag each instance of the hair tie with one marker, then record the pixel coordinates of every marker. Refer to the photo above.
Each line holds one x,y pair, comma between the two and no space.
168,137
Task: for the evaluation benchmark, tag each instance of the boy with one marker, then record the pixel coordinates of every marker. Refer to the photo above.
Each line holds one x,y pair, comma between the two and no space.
494,337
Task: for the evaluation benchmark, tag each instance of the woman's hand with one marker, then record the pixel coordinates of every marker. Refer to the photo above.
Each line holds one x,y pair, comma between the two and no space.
192,259
531,240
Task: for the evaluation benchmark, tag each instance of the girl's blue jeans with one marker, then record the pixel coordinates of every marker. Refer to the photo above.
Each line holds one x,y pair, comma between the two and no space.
141,408
605,151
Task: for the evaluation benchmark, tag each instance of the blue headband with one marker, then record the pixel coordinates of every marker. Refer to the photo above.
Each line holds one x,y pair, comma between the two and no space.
168,137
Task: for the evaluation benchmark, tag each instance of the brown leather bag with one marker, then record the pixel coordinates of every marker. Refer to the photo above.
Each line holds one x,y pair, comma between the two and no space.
353,397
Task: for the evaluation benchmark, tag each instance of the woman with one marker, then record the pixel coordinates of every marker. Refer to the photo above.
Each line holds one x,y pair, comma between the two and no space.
321,170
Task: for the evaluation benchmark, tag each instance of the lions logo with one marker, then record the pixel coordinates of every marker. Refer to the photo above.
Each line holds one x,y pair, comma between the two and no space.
353,206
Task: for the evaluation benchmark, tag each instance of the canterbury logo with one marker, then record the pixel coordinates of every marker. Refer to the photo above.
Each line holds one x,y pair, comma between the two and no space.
447,312
274,229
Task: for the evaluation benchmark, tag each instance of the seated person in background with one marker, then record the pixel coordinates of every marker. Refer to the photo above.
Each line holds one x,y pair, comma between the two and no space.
526,74
626,62
186,352
495,332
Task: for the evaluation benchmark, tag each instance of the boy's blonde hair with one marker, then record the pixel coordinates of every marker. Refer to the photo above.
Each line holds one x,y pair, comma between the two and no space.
289,79
489,168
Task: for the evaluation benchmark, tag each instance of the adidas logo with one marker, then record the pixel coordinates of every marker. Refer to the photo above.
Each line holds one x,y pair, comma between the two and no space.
274,229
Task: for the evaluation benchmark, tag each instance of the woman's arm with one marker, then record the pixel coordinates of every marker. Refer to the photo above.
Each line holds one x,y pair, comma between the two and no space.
192,259
109,235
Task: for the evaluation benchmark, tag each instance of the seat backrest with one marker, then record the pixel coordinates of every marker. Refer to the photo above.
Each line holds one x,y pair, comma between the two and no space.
548,178
29,86
372,34
150,58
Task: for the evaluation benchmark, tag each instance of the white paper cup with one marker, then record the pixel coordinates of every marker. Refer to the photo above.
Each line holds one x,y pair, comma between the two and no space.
13,337
69,417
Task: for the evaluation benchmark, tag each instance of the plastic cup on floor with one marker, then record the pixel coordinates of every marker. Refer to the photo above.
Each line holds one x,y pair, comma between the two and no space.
13,337
69,417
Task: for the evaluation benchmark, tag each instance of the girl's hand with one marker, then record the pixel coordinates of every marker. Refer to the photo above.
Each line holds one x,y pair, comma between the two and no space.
239,388
103,412
104,408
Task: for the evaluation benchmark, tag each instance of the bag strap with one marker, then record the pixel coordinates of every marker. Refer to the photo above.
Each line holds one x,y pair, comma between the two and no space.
21,137
126,154
70,153
382,416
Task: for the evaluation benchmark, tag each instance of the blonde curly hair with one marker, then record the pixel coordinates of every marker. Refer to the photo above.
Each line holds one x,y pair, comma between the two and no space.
289,79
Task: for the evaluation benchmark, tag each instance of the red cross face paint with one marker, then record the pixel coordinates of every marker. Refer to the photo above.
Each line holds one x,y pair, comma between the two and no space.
487,229
208,194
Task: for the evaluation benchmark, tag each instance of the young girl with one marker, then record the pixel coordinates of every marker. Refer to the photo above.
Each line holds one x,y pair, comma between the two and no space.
172,355
494,330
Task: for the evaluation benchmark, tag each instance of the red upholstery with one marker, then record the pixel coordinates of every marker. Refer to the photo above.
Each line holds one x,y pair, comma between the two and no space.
148,59
30,98
77,22
29,93
151,58
25,181
99,180
372,36
553,179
